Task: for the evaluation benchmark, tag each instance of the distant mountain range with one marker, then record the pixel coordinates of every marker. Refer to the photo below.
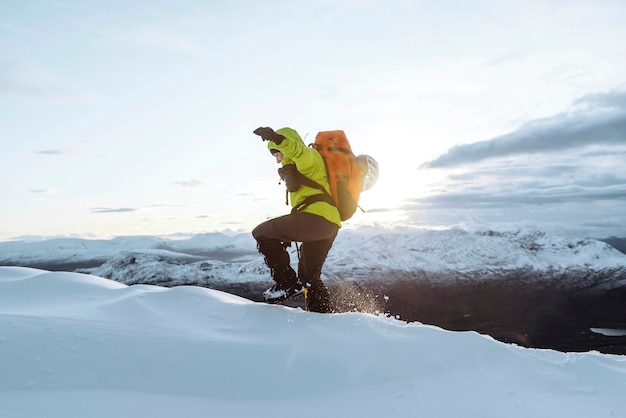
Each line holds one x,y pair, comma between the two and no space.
354,250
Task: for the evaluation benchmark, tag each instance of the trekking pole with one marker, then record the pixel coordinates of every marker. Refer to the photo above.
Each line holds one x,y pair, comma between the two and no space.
298,252
305,291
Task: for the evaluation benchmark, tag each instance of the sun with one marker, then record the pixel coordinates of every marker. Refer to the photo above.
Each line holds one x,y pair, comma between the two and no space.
398,185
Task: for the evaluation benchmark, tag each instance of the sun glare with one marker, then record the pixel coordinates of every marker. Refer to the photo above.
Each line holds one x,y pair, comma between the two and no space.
397,186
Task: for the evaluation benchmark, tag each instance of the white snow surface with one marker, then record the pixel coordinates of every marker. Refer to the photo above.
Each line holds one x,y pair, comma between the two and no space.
76,345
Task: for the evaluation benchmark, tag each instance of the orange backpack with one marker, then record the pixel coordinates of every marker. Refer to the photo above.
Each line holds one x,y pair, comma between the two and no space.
344,175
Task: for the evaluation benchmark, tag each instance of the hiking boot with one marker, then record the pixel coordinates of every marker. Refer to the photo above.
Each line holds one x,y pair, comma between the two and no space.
277,292
318,298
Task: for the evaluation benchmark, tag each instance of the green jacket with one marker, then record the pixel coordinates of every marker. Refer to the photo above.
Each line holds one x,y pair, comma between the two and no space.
310,163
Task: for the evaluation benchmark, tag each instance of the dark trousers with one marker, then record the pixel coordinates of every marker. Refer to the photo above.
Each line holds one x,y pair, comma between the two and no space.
314,232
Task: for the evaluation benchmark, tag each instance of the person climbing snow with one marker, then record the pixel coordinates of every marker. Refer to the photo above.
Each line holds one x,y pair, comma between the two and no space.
314,220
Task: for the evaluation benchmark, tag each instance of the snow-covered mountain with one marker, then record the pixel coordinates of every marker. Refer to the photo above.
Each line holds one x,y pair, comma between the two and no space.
91,253
234,257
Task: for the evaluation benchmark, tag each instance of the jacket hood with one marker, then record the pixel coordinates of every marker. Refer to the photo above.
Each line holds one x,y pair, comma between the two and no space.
271,145
287,133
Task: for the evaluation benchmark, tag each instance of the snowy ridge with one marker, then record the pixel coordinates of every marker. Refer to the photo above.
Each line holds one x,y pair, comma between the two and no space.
462,251
85,250
432,250
113,350
166,269
74,250
210,258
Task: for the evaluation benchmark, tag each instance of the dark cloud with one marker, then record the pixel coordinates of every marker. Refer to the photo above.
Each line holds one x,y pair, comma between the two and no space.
614,99
112,210
558,195
598,119
582,190
531,173
530,181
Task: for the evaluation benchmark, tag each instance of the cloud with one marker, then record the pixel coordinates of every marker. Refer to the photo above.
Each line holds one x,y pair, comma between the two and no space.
29,81
189,183
538,180
507,57
54,152
563,173
589,170
597,119
168,205
518,198
44,191
142,36
111,210
615,99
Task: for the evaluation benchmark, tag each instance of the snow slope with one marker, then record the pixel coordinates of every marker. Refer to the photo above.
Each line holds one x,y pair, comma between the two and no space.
76,345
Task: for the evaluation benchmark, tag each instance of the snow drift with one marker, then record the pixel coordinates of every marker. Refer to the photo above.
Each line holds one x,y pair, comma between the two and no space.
76,345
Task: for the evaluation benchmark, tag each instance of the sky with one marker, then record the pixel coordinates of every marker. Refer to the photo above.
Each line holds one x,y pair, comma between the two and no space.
113,350
136,117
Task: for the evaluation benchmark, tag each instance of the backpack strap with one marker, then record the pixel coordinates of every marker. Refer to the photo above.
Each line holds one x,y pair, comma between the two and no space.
304,180
313,199
322,197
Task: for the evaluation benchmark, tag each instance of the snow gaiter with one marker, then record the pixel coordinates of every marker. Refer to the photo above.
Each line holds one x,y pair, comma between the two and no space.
278,261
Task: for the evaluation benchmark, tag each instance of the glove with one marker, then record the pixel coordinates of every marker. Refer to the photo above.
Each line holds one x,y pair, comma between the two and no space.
268,134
